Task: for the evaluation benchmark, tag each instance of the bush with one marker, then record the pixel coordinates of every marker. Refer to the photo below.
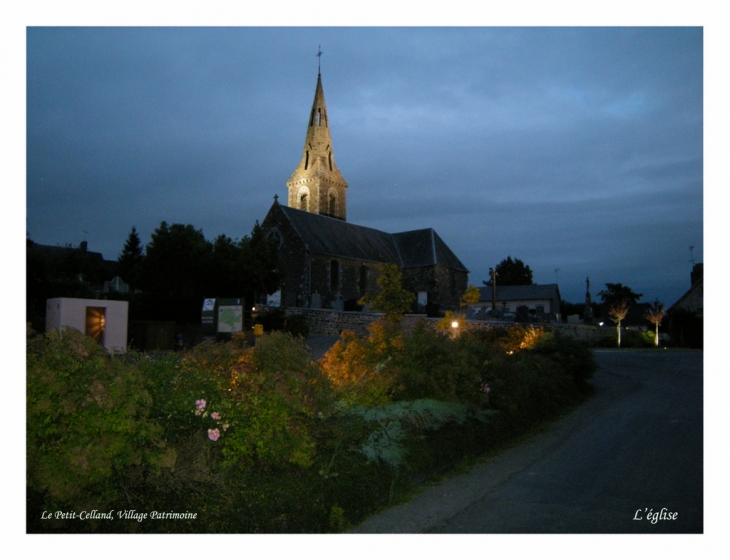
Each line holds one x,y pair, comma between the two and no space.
573,356
361,370
87,422
297,325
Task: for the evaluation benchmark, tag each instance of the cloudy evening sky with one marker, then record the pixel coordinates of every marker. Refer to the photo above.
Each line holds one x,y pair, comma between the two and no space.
577,150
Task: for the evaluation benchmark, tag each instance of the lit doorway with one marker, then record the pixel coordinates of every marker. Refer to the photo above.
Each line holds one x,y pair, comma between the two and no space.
96,323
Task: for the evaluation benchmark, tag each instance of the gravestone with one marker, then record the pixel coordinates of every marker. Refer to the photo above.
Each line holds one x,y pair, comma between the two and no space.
316,302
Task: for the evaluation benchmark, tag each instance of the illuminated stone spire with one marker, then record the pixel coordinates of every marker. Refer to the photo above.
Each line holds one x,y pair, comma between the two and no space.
317,185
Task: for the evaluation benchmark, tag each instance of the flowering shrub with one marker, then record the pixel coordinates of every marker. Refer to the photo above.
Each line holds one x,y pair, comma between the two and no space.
263,398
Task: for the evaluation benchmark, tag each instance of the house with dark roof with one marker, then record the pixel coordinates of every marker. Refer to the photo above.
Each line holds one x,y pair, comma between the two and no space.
541,300
330,263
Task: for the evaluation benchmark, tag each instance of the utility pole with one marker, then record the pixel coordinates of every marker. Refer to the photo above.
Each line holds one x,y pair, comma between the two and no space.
493,273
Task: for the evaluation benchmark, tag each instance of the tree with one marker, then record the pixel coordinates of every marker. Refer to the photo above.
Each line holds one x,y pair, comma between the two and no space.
261,264
393,299
174,271
471,295
618,312
130,259
618,293
655,314
512,273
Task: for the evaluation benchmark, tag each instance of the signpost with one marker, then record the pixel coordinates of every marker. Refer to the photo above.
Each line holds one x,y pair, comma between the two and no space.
221,316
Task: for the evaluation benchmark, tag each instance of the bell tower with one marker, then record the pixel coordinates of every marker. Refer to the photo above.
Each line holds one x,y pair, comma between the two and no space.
317,185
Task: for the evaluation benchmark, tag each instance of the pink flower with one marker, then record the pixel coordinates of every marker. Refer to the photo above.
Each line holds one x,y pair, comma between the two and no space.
200,404
213,435
215,416
486,388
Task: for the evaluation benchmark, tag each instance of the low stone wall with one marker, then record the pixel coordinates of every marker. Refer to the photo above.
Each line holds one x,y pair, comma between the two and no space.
330,322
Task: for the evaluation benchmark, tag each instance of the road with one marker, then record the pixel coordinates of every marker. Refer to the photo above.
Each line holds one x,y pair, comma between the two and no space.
626,461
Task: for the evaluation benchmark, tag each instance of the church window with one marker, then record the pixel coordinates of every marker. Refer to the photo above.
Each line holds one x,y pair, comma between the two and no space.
330,159
303,201
319,117
334,275
306,160
332,210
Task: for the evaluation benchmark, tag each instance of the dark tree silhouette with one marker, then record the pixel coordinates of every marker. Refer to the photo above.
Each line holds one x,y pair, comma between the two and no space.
512,272
618,293
130,259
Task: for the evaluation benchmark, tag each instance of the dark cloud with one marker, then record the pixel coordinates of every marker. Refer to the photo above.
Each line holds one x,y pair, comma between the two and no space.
576,149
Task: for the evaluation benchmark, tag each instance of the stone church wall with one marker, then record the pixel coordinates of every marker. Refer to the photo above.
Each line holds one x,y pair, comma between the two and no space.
332,323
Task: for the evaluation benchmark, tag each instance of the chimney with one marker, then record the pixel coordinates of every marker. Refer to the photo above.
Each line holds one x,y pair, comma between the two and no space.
696,273
83,246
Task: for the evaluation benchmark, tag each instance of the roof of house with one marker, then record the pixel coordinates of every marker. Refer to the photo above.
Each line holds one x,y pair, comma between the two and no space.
331,236
527,292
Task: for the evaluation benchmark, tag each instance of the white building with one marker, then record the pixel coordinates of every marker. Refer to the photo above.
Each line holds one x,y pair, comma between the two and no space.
103,320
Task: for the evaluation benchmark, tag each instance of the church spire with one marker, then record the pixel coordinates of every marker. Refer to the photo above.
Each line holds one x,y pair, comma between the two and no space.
317,185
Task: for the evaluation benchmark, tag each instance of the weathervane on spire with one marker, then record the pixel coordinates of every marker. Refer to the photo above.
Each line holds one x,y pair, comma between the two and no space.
319,58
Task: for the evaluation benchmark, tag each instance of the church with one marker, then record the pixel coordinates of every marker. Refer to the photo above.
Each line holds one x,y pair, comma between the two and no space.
330,263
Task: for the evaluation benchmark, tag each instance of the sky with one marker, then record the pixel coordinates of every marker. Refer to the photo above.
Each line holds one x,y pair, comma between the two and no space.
578,150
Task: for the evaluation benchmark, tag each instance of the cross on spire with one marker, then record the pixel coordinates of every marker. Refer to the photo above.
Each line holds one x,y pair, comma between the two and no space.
319,58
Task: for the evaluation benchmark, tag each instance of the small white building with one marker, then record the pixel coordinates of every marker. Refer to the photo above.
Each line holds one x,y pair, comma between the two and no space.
103,320
540,300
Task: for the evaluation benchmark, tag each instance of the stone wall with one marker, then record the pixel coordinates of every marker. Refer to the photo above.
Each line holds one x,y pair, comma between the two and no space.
329,322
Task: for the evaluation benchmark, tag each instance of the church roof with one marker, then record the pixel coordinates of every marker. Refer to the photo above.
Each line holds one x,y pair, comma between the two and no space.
330,236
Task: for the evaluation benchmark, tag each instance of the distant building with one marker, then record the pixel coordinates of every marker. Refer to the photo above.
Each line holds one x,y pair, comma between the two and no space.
541,300
330,263
684,319
692,300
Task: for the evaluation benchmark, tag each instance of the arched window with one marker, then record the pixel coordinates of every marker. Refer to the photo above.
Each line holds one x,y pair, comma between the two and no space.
334,275
303,203
332,202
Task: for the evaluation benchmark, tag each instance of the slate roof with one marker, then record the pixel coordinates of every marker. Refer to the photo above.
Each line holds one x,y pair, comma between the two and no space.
512,293
331,236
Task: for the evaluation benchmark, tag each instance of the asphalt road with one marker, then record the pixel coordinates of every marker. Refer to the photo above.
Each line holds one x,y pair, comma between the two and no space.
626,461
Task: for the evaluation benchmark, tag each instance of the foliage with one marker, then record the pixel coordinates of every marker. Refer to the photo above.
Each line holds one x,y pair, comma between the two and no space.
261,400
181,268
392,299
251,438
87,421
174,271
574,357
512,272
260,263
655,314
297,325
471,295
617,294
130,259
446,324
434,365
617,312
361,369
398,422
